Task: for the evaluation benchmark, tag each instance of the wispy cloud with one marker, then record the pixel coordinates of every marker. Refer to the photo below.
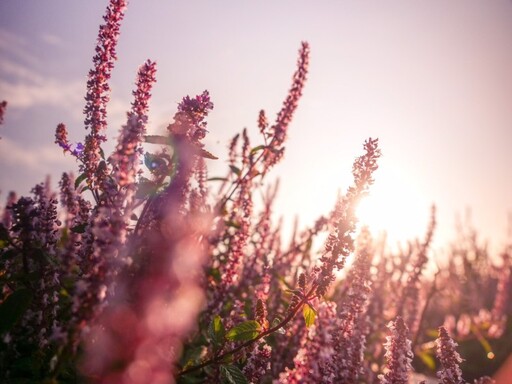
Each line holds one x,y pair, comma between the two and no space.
17,47
23,167
11,69
51,39
24,87
41,159
52,92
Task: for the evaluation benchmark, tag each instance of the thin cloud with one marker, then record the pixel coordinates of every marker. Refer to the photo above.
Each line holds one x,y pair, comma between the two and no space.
49,92
40,159
9,68
24,88
51,39
16,46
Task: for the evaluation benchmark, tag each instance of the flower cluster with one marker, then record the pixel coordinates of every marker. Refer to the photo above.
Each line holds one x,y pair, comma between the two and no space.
340,243
398,354
98,92
449,358
276,134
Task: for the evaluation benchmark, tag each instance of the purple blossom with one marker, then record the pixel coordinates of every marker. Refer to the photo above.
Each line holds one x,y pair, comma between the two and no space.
61,137
76,216
125,159
196,108
316,349
449,358
279,130
77,151
398,354
258,363
349,338
98,92
340,243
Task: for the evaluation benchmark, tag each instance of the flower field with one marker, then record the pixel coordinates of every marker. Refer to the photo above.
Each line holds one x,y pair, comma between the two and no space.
141,268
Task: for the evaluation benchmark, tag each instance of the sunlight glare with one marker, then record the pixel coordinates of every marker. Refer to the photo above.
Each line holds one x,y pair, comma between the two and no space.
396,207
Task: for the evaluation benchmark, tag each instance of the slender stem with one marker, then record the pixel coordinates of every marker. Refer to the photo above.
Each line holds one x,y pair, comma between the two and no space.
238,182
269,331
298,246
142,214
431,293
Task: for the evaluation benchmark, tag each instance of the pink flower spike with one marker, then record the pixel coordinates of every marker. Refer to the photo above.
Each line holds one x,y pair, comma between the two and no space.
398,354
449,358
98,90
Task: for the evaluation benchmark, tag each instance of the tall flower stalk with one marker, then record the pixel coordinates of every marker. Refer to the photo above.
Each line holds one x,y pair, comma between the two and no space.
98,93
398,354
449,358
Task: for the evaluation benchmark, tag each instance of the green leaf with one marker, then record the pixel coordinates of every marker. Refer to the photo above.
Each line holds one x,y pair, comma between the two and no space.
309,315
144,188
248,330
154,162
427,359
433,333
207,155
188,379
217,179
192,356
79,180
79,228
216,330
235,170
232,374
233,224
13,308
215,274
258,148
156,139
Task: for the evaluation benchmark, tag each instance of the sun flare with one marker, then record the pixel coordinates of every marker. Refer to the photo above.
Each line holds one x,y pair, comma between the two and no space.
396,207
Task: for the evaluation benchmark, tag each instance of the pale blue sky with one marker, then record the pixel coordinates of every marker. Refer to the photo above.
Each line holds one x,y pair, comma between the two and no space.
431,79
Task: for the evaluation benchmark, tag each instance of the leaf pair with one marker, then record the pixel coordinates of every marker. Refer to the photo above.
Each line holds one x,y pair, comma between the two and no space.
248,330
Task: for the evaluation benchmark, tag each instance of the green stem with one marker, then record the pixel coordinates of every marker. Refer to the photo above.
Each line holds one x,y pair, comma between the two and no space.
269,331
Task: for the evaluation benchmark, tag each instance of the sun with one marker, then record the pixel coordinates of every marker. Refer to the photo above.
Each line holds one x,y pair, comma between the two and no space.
396,207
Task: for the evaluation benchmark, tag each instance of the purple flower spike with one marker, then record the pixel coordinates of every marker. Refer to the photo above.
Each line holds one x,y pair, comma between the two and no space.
449,358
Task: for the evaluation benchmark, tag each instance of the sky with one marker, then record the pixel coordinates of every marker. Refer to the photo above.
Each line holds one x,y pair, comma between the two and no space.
431,79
